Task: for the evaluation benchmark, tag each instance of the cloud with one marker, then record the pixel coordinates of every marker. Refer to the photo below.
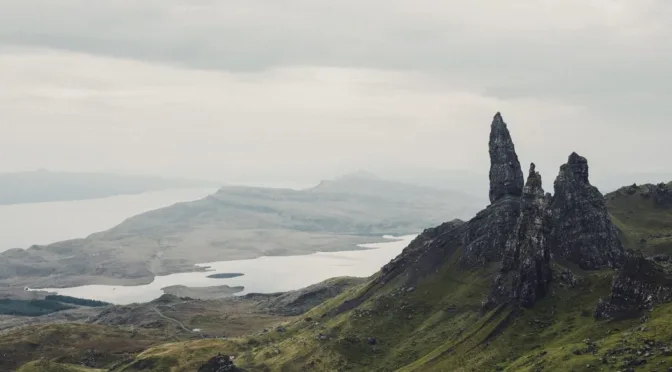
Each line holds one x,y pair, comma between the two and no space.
243,87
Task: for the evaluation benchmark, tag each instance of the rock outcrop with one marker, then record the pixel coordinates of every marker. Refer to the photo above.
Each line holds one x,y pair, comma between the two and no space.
526,271
661,194
219,363
523,229
506,176
486,234
640,285
582,230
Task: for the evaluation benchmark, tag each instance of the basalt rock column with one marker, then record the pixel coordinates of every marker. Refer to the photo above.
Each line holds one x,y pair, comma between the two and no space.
526,270
506,176
583,232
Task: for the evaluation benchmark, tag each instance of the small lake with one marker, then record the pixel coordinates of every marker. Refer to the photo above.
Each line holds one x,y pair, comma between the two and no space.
22,225
260,275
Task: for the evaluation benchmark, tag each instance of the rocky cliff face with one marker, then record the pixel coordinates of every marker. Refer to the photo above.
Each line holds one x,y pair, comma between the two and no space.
582,230
506,176
640,284
526,271
485,235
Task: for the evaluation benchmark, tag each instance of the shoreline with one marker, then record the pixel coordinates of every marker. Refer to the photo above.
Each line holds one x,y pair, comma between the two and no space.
296,271
84,280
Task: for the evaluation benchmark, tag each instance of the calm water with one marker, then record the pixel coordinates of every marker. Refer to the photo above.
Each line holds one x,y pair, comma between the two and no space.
262,275
23,225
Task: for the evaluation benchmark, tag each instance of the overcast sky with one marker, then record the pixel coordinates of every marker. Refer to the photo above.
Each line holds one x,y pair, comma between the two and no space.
277,89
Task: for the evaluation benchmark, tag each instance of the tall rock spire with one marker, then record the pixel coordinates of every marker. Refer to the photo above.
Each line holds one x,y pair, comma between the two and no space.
506,176
526,270
583,232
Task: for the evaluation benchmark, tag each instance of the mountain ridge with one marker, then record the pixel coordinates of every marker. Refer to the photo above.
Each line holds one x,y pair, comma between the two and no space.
235,222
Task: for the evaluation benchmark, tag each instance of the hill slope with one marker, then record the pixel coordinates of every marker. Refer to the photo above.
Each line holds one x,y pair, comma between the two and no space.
236,223
644,213
535,282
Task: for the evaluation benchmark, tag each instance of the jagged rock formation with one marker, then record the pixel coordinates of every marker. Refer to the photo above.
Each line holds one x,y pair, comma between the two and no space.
641,284
506,176
526,270
582,230
486,234
219,363
523,229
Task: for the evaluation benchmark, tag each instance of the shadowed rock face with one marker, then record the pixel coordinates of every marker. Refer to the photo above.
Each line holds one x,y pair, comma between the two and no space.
526,270
506,176
486,234
583,232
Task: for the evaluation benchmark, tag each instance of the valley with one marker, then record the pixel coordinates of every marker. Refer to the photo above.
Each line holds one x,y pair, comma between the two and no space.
569,281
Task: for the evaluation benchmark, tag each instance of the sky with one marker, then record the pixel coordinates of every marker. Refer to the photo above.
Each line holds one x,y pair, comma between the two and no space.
278,90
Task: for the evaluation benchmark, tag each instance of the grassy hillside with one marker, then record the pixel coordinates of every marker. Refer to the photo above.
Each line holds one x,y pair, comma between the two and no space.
94,345
644,214
436,322
47,366
430,317
438,326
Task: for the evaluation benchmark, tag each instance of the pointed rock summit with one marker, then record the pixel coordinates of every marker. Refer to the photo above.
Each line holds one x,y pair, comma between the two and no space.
526,231
487,233
583,232
506,176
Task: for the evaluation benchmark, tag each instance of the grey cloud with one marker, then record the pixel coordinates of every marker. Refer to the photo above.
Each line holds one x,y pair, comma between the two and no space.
536,48
422,74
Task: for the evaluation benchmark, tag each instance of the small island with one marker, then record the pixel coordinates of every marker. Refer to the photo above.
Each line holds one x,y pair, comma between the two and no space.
225,275
204,293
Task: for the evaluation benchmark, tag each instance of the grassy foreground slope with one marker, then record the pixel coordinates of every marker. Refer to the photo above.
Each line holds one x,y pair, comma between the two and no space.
436,321
78,344
438,326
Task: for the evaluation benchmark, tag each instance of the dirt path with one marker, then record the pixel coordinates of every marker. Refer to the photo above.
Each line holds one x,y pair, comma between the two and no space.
159,313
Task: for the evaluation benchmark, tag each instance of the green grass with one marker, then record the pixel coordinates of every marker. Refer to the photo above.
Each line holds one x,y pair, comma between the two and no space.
47,366
179,356
31,307
645,225
71,343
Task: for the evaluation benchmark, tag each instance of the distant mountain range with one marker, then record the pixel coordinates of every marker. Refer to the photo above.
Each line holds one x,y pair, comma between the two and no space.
239,223
45,186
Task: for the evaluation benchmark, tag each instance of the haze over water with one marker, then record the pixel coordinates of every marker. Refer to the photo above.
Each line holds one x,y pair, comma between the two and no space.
23,225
